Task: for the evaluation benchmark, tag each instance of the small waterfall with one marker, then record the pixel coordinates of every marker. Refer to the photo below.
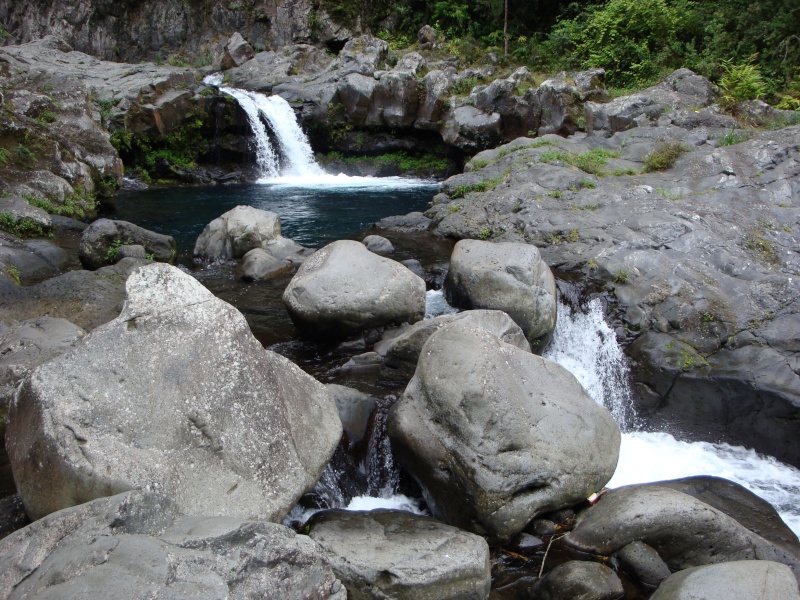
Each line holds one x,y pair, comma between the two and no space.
587,347
282,149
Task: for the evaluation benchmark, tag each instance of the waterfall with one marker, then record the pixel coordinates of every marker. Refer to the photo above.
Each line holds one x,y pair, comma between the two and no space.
282,149
586,345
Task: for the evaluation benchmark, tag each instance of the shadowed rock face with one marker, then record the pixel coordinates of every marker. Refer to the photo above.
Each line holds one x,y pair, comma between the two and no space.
175,394
701,257
138,544
496,435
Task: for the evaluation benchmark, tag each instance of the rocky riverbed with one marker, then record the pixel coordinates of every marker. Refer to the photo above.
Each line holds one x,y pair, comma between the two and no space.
158,444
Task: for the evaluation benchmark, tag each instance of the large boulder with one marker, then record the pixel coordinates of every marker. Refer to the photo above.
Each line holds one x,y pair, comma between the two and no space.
394,554
496,435
260,265
100,241
138,545
736,580
23,214
236,232
685,531
510,277
344,288
174,395
470,129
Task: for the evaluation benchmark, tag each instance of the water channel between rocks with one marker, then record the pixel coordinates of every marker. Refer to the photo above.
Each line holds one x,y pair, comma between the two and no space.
338,208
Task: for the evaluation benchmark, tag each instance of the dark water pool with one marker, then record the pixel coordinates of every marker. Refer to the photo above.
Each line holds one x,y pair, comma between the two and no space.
312,216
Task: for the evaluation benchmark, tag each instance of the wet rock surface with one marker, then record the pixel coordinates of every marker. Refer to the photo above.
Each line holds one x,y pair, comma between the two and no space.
101,241
227,412
138,543
576,580
393,554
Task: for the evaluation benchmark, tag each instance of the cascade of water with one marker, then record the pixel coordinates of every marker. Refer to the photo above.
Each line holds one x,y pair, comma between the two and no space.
266,158
587,347
295,157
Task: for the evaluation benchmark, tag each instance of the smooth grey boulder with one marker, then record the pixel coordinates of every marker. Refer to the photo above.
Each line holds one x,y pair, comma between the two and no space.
643,564
174,395
496,435
237,52
511,277
404,349
236,232
579,580
378,244
30,261
344,288
355,94
393,554
414,221
260,265
395,100
433,104
560,105
685,531
138,545
735,580
101,239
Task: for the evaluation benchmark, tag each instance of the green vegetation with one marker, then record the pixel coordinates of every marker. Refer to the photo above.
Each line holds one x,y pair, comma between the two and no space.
485,234
733,137
664,156
4,156
13,274
740,82
24,227
483,186
621,277
77,206
591,162
46,117
113,250
636,41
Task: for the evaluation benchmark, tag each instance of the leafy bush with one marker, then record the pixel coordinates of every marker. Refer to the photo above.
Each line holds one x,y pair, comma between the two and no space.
740,82
732,138
664,156
24,227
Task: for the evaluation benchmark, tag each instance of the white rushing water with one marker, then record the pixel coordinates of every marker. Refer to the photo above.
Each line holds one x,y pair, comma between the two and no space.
283,154
586,345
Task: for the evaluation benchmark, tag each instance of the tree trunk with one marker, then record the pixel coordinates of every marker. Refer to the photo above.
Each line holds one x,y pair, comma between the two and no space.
505,28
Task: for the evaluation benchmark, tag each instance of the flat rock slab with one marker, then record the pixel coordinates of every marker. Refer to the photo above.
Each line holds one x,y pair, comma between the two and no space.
137,545
737,580
393,554
174,395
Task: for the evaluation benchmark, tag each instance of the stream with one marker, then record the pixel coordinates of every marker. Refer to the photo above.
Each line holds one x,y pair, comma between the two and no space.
317,208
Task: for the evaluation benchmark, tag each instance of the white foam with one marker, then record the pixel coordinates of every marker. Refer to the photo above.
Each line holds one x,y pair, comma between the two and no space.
396,502
646,457
328,180
435,304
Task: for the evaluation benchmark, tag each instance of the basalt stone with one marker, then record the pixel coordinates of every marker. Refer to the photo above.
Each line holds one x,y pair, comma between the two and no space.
260,265
404,349
685,531
131,251
236,232
355,409
736,580
577,580
344,288
19,209
504,276
393,554
175,394
471,129
496,435
237,52
101,239
378,244
643,564
137,545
